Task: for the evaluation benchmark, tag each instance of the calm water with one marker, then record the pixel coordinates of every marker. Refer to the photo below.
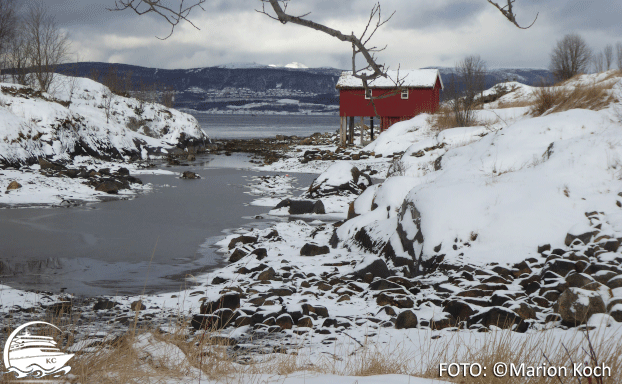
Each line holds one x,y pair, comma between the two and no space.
107,248
263,126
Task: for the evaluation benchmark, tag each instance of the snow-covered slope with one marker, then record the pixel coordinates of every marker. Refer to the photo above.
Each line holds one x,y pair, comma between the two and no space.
495,193
78,119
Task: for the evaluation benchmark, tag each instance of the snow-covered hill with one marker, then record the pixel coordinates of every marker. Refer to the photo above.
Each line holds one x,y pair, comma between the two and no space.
82,117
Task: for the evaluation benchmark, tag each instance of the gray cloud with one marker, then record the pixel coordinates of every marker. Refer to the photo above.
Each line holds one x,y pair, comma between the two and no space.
422,33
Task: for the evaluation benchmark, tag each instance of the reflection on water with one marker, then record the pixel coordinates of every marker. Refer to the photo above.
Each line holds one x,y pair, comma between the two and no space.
263,126
117,247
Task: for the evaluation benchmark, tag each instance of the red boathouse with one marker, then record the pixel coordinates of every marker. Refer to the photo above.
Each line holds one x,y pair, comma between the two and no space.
420,92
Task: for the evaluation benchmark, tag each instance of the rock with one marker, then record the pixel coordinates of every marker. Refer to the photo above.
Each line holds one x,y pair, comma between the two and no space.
340,178
459,310
204,321
268,274
406,320
285,321
576,305
314,250
138,306
191,157
305,322
45,165
578,280
243,240
260,253
104,304
561,267
188,175
580,232
60,308
123,171
237,255
109,187
399,301
242,321
382,284
219,280
301,207
13,185
378,268
318,310
283,291
500,317
230,301
104,171
343,298
615,282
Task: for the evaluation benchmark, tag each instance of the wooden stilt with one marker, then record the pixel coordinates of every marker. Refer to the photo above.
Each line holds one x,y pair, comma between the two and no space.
342,131
371,129
362,129
351,138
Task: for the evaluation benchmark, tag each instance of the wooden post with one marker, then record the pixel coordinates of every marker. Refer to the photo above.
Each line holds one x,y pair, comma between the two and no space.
362,129
351,138
342,131
371,129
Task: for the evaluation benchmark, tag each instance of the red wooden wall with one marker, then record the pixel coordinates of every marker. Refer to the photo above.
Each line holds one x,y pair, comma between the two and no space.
392,109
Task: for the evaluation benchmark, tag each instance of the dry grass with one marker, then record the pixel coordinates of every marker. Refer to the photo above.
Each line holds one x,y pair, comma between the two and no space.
573,94
150,356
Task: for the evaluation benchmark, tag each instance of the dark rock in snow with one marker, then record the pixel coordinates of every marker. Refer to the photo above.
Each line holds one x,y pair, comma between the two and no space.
104,304
109,187
138,306
405,320
237,255
301,207
13,185
378,268
243,240
190,175
314,250
576,305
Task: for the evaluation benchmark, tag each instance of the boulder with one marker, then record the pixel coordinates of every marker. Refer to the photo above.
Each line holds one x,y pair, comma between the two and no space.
378,268
341,178
268,274
103,304
138,306
578,280
314,250
243,240
48,165
500,317
405,320
190,175
301,207
580,232
13,185
108,186
458,309
230,301
237,255
260,253
576,305
123,171
285,321
305,322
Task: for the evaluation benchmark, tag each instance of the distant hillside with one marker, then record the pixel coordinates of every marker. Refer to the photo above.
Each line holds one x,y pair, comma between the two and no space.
255,88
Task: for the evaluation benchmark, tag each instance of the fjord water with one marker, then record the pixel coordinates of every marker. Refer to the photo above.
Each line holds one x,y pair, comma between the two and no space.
263,126
107,248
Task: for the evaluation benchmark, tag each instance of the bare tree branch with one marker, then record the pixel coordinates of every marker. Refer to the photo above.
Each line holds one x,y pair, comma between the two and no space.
172,16
509,14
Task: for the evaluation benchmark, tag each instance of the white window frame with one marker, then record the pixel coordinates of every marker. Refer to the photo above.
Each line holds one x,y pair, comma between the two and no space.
369,95
405,94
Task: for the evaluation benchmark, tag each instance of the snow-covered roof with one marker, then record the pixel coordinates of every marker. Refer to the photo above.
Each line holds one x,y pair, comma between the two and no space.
415,78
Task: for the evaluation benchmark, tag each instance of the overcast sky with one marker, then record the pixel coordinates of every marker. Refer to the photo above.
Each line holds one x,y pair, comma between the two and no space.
422,32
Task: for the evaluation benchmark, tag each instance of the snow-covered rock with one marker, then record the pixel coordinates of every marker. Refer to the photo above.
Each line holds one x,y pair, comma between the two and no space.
83,117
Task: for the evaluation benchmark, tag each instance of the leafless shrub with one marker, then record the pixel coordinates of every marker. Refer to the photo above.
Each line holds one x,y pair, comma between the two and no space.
463,89
608,54
570,57
48,46
108,102
545,98
598,61
397,168
8,27
619,55
584,96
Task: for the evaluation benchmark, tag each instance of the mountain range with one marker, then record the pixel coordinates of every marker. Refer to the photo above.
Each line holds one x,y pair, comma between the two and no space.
257,88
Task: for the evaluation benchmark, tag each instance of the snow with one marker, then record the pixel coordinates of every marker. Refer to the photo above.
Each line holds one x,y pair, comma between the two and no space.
424,78
55,124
